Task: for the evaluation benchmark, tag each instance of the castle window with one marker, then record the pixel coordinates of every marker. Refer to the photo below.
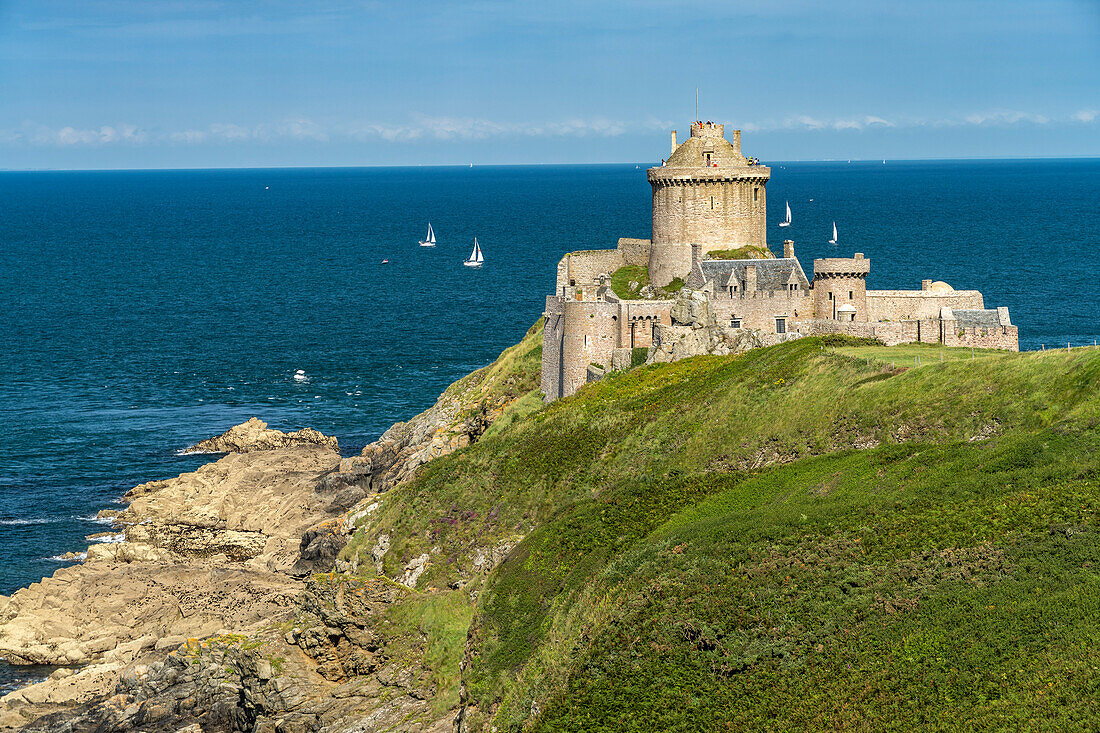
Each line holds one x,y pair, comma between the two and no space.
830,295
755,191
712,202
586,340
706,156
780,325
735,323
572,282
849,295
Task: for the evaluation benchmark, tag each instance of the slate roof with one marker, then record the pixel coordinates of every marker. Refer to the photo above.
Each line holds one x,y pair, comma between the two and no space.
968,318
771,274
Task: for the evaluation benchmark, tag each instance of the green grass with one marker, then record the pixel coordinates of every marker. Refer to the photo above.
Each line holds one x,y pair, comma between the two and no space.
438,622
622,278
748,252
704,547
906,355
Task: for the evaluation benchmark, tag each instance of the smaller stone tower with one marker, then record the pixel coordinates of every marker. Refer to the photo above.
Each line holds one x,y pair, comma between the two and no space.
706,193
840,288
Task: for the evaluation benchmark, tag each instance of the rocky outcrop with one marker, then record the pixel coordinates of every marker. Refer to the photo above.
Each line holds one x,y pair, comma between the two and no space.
191,556
695,331
254,435
229,552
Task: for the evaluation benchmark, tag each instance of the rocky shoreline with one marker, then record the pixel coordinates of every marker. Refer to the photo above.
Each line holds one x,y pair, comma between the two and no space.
208,613
222,604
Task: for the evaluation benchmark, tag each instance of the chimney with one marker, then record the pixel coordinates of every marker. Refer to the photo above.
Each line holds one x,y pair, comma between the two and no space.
750,280
925,284
788,248
673,142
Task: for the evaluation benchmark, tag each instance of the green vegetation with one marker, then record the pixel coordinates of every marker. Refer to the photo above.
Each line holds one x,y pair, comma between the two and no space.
788,539
906,355
627,276
748,252
439,622
638,356
514,373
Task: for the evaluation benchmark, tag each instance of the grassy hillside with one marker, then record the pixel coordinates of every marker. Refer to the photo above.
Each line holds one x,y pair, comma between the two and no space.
787,539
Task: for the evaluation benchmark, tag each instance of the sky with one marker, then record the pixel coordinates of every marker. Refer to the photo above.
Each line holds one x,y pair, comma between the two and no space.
206,83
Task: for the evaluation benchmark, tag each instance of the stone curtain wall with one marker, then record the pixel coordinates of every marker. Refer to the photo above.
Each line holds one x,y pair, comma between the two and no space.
898,305
637,320
997,337
582,268
760,310
635,251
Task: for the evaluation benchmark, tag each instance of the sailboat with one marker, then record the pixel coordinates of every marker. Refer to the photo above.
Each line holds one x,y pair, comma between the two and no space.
429,238
475,258
787,223
833,240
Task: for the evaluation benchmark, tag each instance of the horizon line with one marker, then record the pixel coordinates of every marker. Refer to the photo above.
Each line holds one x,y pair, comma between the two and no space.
1085,156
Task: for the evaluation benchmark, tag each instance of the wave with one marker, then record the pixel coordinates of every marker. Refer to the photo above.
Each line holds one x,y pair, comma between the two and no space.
193,452
111,539
96,520
27,521
78,557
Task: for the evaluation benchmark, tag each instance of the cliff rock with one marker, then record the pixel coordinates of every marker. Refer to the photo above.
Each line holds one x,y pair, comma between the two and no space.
254,435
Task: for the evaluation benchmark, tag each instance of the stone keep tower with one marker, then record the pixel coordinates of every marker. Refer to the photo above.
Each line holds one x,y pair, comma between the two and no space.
706,193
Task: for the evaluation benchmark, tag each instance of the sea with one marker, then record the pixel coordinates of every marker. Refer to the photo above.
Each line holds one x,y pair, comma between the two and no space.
141,311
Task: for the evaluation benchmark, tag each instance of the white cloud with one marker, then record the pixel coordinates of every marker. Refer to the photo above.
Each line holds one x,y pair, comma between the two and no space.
443,128
1005,117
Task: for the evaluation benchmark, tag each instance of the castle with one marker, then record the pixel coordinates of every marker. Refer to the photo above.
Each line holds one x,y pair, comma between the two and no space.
708,253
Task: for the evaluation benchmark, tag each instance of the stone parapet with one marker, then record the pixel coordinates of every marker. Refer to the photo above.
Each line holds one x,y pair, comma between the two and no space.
686,176
842,266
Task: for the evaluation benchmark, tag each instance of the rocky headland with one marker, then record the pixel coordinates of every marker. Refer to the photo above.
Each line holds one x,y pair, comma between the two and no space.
213,604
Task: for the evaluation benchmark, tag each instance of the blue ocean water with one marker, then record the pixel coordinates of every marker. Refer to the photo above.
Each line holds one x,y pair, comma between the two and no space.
141,311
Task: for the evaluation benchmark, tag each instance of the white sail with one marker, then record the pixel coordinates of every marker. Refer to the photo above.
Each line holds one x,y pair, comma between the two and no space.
787,222
475,258
429,238
833,240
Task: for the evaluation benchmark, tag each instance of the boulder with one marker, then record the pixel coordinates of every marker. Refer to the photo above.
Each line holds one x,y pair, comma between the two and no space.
254,435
